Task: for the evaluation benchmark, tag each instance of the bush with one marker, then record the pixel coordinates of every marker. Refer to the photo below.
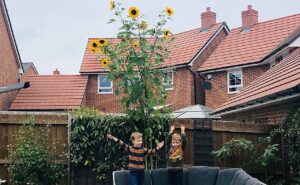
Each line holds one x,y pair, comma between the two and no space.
91,148
32,159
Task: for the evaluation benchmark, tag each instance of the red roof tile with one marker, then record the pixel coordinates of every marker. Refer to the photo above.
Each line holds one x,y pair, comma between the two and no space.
187,45
283,76
51,92
240,48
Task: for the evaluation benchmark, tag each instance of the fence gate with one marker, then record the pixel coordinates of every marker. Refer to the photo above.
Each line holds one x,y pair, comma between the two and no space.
203,142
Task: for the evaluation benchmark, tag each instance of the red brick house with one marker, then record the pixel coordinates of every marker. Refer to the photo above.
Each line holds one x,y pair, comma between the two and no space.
10,61
51,93
29,70
247,53
193,48
267,99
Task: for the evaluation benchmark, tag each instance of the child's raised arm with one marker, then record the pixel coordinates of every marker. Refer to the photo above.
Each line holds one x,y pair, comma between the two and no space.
153,151
123,145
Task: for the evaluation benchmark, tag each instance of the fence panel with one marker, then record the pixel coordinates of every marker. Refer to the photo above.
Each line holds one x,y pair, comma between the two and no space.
10,123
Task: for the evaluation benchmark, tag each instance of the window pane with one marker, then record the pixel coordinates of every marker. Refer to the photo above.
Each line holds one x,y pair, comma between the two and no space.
105,90
235,78
104,82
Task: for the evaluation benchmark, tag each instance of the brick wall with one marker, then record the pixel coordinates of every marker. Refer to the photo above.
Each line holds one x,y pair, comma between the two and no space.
272,114
218,94
28,72
109,103
181,96
9,70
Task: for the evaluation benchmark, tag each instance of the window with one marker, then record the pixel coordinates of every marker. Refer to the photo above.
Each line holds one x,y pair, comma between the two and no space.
105,86
235,81
168,79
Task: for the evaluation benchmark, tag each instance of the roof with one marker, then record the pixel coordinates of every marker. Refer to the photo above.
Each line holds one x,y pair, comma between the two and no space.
11,33
248,47
27,65
51,92
193,112
283,76
188,44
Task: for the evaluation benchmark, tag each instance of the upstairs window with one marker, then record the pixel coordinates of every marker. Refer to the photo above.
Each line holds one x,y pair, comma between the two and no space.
235,81
105,86
168,79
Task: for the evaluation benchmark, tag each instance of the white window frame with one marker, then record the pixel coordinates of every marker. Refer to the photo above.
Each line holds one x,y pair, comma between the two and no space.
170,85
111,85
232,86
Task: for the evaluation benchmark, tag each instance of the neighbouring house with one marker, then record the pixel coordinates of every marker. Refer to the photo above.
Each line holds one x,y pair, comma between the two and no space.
29,70
10,61
193,47
247,53
52,93
268,98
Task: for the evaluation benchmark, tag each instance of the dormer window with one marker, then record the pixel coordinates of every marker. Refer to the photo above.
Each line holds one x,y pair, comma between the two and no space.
235,81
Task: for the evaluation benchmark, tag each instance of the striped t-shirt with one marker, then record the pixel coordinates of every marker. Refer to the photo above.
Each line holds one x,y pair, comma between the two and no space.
136,156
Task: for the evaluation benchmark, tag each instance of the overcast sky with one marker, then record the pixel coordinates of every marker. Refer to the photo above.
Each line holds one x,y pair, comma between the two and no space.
54,33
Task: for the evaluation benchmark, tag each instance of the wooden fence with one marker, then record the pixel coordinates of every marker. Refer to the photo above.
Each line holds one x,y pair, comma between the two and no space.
203,137
214,134
10,122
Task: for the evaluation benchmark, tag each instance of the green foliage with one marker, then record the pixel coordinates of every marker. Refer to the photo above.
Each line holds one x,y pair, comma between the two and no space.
263,153
234,148
290,130
90,147
32,159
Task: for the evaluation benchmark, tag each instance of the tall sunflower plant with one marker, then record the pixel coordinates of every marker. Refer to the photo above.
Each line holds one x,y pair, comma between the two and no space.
135,59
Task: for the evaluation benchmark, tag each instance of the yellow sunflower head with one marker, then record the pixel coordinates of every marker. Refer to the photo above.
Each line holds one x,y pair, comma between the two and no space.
104,62
169,11
167,34
133,12
112,5
135,44
103,42
143,25
94,45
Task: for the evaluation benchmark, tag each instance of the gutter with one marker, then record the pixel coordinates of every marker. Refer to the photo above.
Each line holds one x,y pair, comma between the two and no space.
257,104
14,87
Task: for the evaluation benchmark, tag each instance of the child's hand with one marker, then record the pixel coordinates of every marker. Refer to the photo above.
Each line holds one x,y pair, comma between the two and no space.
109,136
172,128
182,127
160,145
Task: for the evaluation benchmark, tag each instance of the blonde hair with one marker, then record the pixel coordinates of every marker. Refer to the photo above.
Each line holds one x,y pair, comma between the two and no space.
176,137
135,135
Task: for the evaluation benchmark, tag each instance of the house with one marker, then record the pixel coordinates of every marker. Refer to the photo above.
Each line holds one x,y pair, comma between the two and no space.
29,70
193,48
10,61
51,93
268,98
246,54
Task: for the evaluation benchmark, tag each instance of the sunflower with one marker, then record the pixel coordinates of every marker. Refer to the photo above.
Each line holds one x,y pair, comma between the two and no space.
112,5
133,12
94,45
143,25
104,62
103,42
169,11
135,44
167,34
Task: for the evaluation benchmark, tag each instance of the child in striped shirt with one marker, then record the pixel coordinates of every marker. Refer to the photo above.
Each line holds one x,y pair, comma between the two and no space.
136,155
